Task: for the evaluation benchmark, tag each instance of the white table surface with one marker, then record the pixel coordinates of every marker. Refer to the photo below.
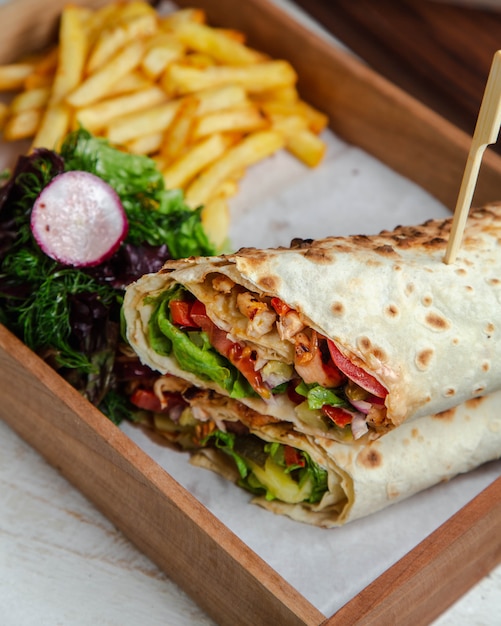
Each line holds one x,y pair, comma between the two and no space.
63,563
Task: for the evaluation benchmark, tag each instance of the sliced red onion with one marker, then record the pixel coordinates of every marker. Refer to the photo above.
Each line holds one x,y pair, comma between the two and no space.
358,426
78,219
361,405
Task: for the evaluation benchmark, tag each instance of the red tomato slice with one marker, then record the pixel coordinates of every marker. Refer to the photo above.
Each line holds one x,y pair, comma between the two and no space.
292,456
355,373
145,399
339,416
198,313
180,312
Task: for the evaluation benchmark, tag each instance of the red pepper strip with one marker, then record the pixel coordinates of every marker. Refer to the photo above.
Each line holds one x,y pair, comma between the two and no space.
292,456
180,313
355,373
340,417
279,306
241,357
146,399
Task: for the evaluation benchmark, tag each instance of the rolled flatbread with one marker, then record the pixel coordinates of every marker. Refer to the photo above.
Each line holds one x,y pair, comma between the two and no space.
344,337
316,480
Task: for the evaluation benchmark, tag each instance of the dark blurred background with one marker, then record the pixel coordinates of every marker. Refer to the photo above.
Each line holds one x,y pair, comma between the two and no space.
439,52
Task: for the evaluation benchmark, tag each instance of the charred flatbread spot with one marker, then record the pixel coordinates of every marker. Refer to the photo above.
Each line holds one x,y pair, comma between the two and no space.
319,255
455,341
269,283
364,343
370,457
449,392
437,322
385,249
478,390
423,358
494,281
447,415
461,271
337,308
300,243
490,328
379,354
436,242
473,403
486,366
391,310
427,300
409,289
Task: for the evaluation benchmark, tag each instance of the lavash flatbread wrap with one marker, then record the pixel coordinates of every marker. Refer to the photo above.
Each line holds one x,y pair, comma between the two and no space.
316,480
344,337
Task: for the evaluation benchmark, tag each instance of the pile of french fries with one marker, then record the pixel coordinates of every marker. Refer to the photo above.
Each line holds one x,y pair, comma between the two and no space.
195,98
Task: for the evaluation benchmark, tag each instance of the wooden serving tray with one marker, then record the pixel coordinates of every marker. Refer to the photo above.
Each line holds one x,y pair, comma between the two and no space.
220,572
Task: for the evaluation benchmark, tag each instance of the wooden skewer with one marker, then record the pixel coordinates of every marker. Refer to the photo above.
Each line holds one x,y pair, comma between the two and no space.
486,132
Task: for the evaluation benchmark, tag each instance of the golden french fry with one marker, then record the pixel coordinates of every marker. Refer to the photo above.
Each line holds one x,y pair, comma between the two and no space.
72,52
146,144
198,60
216,221
34,81
159,55
239,119
135,20
253,148
306,146
97,116
180,80
228,188
30,99
236,35
217,98
73,46
196,158
55,124
133,81
22,125
315,119
134,125
180,131
169,22
300,140
4,113
98,85
216,43
13,75
46,65
101,19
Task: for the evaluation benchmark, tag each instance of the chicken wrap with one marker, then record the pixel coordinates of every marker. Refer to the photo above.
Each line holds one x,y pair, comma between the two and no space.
343,337
313,479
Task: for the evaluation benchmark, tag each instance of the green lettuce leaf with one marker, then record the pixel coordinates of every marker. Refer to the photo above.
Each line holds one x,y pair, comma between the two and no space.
192,350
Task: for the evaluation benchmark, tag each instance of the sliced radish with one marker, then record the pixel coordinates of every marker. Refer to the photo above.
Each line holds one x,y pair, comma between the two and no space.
78,219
